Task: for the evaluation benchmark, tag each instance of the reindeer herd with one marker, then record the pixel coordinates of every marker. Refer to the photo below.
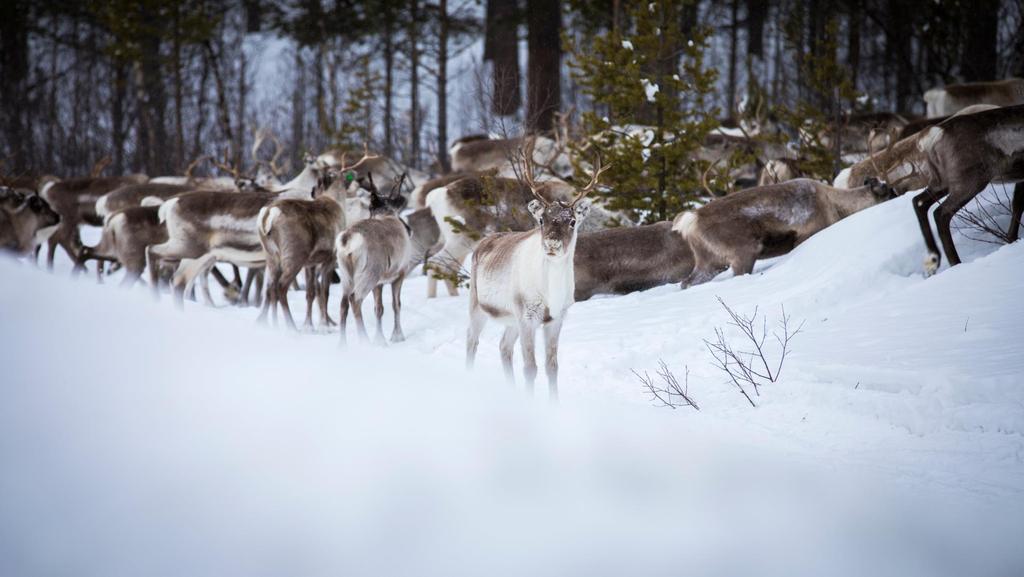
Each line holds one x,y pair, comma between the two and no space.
537,243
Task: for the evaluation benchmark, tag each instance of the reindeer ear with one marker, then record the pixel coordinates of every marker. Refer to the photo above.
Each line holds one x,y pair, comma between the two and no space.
536,208
582,209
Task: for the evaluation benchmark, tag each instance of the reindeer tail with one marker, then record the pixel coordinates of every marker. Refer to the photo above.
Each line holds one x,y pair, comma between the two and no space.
351,256
685,223
165,209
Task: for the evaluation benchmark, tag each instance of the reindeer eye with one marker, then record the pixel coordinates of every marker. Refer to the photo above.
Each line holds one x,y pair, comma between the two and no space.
572,222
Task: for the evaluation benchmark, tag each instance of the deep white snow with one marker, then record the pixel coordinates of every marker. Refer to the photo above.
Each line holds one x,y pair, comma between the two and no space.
139,440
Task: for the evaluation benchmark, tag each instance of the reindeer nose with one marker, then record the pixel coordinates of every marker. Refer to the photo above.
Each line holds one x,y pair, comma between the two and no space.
552,246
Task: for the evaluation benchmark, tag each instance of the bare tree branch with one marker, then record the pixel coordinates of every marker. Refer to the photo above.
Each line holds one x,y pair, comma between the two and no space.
669,394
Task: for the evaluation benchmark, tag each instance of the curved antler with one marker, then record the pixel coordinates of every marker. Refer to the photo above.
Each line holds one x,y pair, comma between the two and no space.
528,146
192,165
704,177
259,137
226,165
598,171
366,156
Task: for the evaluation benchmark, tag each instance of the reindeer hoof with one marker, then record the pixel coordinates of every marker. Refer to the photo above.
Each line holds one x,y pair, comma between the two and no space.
931,264
397,338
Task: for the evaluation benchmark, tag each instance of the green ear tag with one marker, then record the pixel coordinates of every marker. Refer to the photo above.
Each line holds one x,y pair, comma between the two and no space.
350,176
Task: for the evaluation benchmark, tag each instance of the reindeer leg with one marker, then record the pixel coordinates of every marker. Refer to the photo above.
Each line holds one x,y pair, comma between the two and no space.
220,278
552,330
311,290
944,216
259,274
244,297
378,312
397,335
343,317
477,320
51,249
356,302
527,336
743,264
204,282
431,286
922,203
265,308
1016,210
508,343
153,263
288,275
325,293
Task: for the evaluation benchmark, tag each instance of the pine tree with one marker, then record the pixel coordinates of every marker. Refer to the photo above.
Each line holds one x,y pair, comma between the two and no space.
829,99
651,108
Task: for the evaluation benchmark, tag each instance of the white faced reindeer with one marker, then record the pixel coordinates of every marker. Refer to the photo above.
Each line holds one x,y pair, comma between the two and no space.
372,253
954,97
965,154
767,221
526,280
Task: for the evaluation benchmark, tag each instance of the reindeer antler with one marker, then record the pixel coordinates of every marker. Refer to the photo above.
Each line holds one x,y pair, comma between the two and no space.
366,156
598,171
192,165
913,172
259,137
226,165
704,177
884,174
101,165
528,145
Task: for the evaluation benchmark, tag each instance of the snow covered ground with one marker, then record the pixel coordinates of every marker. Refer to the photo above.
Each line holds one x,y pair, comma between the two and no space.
139,440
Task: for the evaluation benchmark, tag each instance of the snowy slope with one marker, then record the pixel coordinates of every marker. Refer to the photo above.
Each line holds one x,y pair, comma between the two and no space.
138,440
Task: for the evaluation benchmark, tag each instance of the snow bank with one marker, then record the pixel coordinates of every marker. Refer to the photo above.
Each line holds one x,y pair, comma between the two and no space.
137,440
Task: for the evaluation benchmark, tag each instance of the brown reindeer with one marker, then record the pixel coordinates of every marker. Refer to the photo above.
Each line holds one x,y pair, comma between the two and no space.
372,253
628,259
418,199
135,194
954,97
903,164
75,201
205,227
767,221
299,235
126,235
24,222
965,154
479,155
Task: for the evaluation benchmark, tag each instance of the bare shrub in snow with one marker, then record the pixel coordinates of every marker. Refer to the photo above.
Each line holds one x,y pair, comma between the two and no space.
982,221
669,393
749,370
